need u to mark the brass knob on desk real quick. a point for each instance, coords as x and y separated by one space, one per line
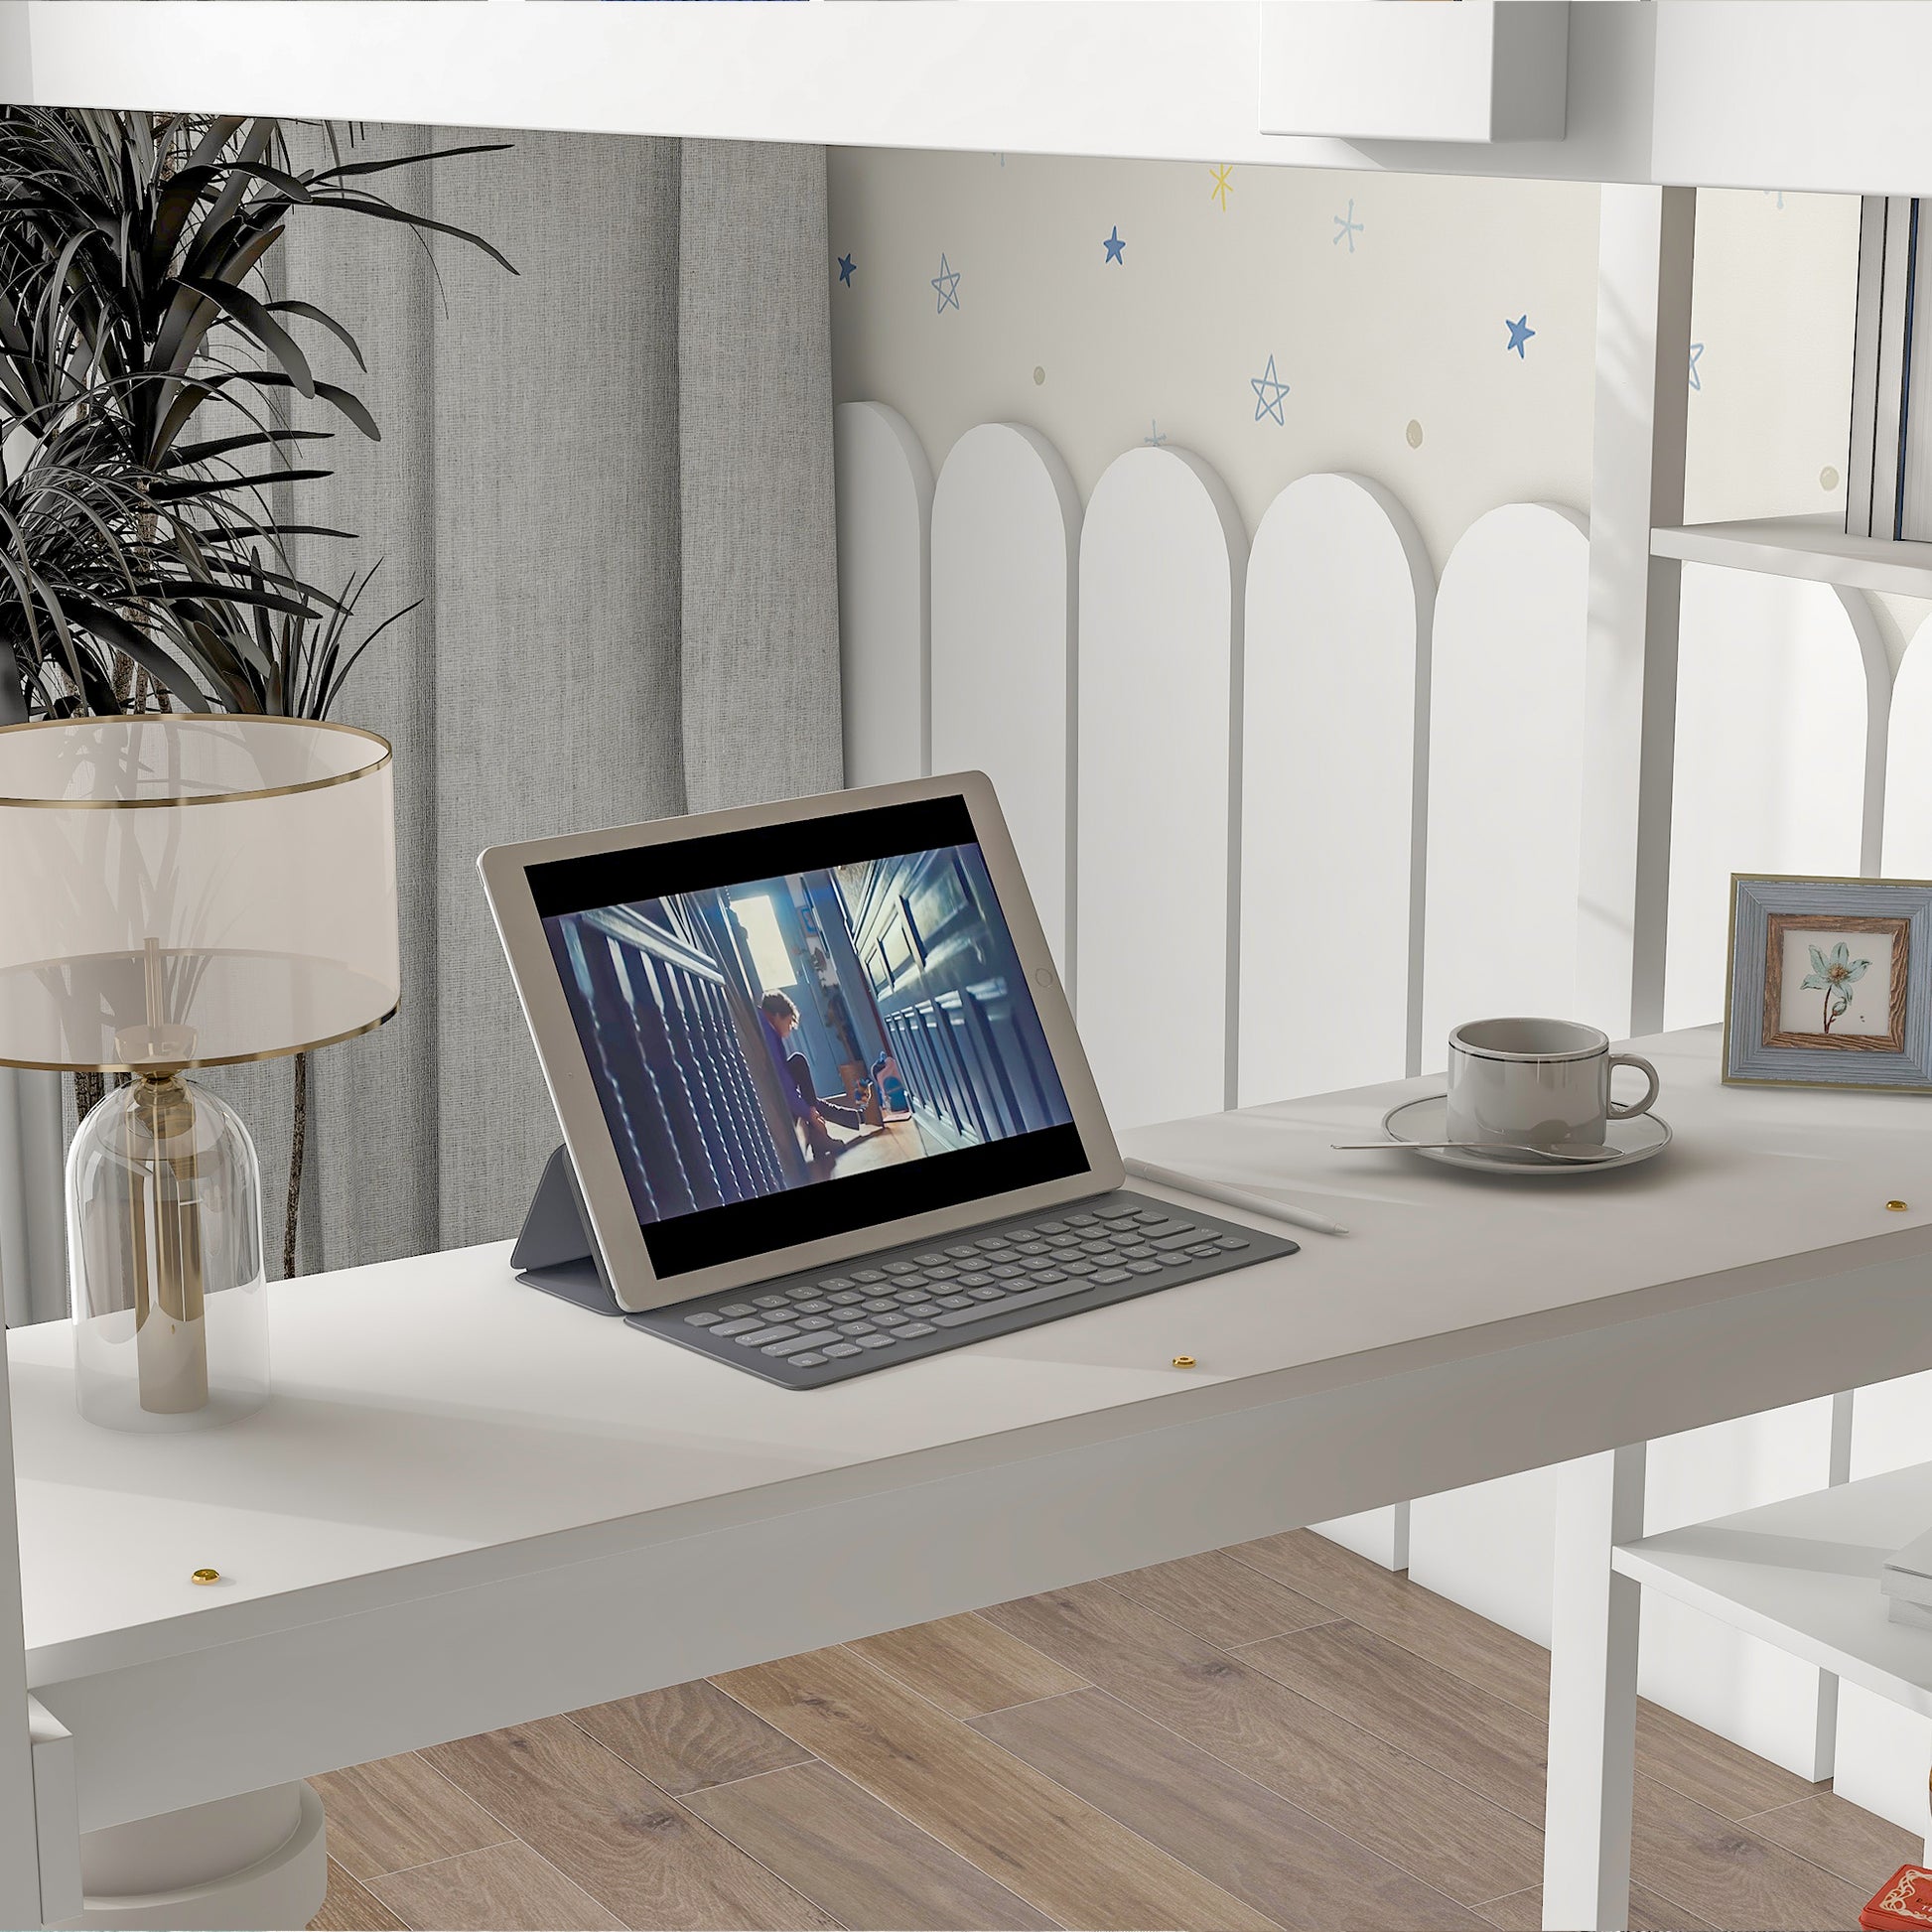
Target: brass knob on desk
1184 1361
1896 1206
205 1577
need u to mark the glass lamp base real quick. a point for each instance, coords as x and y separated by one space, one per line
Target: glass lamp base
165 1260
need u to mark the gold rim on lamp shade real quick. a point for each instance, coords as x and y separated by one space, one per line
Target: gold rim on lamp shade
202 798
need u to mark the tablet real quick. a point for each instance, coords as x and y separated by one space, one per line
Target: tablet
790 1035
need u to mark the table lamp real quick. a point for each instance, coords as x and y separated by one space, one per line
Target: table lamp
178 892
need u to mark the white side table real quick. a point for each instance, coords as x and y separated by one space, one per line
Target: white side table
1802 1574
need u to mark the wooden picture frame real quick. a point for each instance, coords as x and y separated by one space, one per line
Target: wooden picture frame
1857 953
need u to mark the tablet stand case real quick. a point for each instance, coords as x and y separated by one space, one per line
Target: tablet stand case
556 1251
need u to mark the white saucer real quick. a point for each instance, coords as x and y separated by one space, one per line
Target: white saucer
1635 1139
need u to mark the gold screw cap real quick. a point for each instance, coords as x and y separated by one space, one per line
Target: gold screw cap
205 1577
1896 1206
1184 1361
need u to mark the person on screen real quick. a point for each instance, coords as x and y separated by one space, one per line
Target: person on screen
778 1019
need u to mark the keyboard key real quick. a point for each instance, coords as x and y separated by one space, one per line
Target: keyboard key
976 1295
1050 1227
1051 1275
914 1329
768 1301
1227 1243
959 1318
880 1306
791 1348
1078 1267
1138 1252
1040 1264
955 1301
961 1250
874 1341
736 1309
923 1310
704 1321
1070 1239
1144 1266
932 1259
761 1338
1079 1220
1180 1238
845 1297
1031 1247
815 1304
813 1360
741 1327
842 1349
902 1268
817 1321
1115 1211
831 1282
1006 1271
1172 1257
868 1274
1203 1249
890 1320
1109 1276
907 1296
1149 1214
972 1278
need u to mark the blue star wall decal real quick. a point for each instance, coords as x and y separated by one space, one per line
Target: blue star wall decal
1519 333
1347 225
946 282
1115 248
1697 355
846 269
1268 394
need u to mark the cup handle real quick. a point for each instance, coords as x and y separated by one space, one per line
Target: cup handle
1649 1099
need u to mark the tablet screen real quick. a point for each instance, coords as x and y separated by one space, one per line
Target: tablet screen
802 1030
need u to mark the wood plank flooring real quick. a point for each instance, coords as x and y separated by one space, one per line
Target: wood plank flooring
1278 1735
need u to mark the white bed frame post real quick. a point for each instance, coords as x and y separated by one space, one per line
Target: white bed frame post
1643 350
1592 1696
20 1869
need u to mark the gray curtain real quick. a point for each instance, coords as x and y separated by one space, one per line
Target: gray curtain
608 479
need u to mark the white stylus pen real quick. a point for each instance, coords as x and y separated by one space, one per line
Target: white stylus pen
1193 1184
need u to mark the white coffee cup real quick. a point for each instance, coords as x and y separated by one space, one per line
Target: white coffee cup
1537 1082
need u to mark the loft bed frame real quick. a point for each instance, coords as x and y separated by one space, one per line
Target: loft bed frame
1654 101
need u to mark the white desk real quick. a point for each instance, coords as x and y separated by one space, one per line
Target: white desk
471 1505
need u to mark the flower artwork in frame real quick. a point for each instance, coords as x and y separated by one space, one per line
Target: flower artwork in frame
1830 983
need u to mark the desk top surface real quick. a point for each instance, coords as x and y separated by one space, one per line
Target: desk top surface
429 1408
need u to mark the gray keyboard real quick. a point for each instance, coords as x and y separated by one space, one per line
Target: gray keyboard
804 1331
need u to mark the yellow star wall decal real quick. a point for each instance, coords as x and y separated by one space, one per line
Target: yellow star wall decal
1222 188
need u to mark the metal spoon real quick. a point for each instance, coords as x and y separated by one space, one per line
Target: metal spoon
1574 1152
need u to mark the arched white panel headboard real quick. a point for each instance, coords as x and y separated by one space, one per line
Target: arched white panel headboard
1505 774
1005 550
1162 556
885 509
1341 593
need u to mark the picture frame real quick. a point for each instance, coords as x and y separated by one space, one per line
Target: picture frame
1830 983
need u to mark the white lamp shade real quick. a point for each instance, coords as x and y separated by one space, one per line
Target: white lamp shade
192 890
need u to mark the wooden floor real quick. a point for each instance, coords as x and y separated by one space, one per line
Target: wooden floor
1276 1736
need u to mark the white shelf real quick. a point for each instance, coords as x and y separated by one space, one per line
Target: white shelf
1798 547
1803 1574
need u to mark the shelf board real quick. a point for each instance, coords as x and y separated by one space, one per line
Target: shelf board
1803 1574
1800 547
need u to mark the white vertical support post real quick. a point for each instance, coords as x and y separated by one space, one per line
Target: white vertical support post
1593 1618
1643 352
20 1866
